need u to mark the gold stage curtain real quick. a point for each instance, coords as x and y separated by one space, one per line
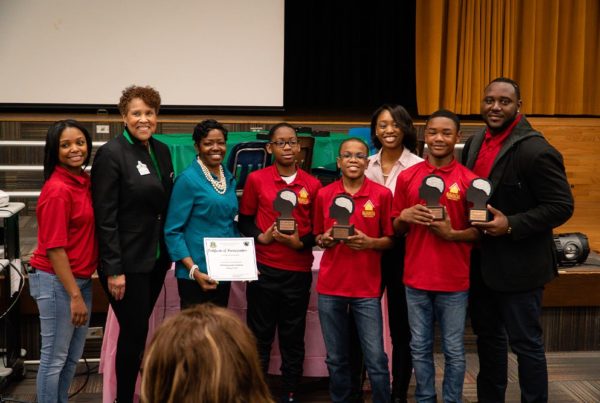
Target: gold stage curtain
551 47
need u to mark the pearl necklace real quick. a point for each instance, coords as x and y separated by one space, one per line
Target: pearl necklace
219 185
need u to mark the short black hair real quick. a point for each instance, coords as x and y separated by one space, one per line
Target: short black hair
53 140
358 140
404 122
278 126
445 113
508 81
203 128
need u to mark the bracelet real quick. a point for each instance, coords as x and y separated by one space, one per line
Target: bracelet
191 275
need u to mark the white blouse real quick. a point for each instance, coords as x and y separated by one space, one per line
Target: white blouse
375 173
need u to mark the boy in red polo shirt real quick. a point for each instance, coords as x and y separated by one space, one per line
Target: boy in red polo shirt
436 270
350 273
280 296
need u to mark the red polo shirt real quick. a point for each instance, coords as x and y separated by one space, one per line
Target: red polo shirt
432 263
66 220
346 272
260 190
492 143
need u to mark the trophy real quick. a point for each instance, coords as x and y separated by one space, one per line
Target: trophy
479 193
284 204
431 190
341 209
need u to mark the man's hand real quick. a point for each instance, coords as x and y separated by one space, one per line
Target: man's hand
293 240
497 226
417 214
326 240
359 241
443 228
267 237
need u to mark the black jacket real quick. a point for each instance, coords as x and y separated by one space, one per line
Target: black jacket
530 187
129 207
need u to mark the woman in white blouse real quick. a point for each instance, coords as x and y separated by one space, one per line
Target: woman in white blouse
393 133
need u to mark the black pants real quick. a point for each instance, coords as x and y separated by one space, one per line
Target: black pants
392 267
502 319
279 299
133 312
190 293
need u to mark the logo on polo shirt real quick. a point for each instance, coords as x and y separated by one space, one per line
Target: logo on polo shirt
368 209
453 192
303 196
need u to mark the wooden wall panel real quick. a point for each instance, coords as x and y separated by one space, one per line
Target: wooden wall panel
578 139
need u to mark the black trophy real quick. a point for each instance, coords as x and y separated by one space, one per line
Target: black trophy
479 193
431 190
341 209
284 204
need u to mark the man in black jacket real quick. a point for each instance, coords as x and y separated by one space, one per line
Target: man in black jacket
530 197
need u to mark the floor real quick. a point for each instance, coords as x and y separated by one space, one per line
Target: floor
573 377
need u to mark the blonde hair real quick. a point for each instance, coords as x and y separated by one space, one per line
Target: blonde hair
203 354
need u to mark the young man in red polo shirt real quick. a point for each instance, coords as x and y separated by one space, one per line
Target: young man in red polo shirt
436 265
350 273
280 296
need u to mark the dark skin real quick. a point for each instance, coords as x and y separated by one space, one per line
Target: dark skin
499 108
353 177
285 162
441 135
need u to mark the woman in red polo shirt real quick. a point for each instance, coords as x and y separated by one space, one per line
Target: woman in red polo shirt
65 258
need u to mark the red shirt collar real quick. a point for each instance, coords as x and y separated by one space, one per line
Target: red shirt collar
446 168
277 177
362 192
81 180
500 137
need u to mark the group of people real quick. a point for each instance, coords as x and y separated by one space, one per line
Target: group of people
133 218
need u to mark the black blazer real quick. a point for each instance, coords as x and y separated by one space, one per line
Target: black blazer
130 208
530 187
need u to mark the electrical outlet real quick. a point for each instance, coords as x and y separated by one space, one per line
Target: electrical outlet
102 129
95 333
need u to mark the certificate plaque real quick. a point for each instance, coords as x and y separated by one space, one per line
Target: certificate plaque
341 209
431 190
284 204
479 193
230 259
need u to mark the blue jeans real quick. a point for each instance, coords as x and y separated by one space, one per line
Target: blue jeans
450 309
62 343
333 314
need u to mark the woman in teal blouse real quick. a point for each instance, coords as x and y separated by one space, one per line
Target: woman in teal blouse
203 204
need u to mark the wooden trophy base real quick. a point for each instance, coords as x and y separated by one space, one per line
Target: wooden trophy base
286 225
342 232
478 215
439 213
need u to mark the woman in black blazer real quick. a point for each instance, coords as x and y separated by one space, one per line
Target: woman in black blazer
132 177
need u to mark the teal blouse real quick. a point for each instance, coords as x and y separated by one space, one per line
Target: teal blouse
197 211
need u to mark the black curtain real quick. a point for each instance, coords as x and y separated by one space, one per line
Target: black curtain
348 55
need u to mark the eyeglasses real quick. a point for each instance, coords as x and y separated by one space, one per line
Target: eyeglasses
282 143
358 156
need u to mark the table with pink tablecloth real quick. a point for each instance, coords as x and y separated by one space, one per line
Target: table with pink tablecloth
168 304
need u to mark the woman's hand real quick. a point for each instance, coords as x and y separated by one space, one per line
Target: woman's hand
79 311
116 286
205 282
